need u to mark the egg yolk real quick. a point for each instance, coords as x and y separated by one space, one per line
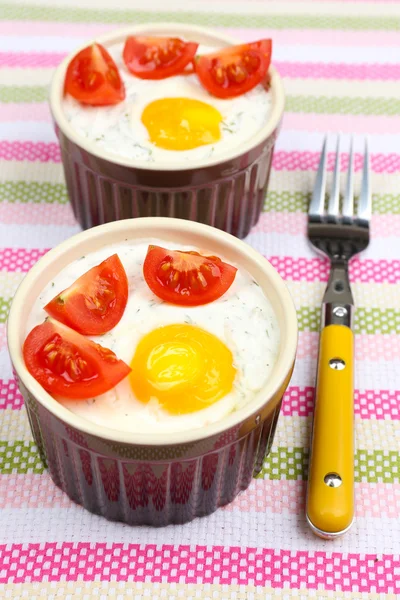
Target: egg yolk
181 123
184 367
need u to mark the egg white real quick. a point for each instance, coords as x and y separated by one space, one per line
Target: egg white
242 319
118 129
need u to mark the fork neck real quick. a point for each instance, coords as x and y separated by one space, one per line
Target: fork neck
338 304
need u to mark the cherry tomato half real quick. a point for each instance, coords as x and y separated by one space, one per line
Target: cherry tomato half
186 278
96 301
157 58
92 77
68 364
235 70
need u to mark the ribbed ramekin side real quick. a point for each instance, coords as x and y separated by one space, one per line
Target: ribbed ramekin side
232 202
139 492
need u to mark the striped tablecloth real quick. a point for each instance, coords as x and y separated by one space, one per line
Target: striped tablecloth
341 67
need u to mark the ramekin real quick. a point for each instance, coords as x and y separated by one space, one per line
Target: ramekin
226 192
162 478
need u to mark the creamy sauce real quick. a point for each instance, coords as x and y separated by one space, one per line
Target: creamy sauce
118 129
242 319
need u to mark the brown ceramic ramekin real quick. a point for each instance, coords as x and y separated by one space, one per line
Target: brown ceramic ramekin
226 192
154 479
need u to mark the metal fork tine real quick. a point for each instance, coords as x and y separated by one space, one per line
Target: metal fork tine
317 204
333 206
365 203
348 200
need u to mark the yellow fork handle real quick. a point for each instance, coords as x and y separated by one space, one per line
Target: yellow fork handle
330 510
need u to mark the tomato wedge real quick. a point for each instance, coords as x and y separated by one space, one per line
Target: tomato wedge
92 77
157 58
67 364
186 278
235 70
95 303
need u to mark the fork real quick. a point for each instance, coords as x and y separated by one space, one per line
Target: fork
338 235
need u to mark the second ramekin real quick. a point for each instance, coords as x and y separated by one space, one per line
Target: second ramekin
164 478
226 192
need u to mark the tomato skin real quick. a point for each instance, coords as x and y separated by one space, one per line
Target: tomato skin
157 58
67 364
93 78
235 70
96 301
186 278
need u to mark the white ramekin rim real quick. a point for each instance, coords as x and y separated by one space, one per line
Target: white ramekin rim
137 227
57 87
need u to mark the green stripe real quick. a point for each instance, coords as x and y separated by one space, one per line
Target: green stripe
343 105
289 201
276 201
23 93
377 320
367 320
5 304
370 466
282 463
299 104
20 457
33 191
308 318
13 11
286 201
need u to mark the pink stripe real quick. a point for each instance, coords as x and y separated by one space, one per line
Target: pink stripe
371 347
293 269
377 500
368 404
281 222
296 224
299 401
19 259
291 161
362 124
29 111
307 345
10 396
377 347
306 161
287 69
278 497
385 225
306 37
31 59
44 28
374 500
86 561
317 269
31 491
33 214
338 71
31 151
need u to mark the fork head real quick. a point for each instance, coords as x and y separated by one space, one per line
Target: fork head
340 234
